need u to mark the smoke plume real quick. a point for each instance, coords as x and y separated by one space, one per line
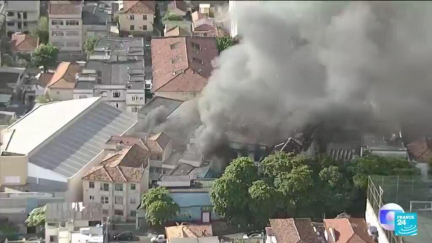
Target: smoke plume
301 61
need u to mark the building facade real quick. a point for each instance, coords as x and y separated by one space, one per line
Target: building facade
117 72
137 17
119 182
22 16
65 25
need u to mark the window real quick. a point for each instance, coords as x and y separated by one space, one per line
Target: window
25 24
72 33
58 44
57 22
104 187
11 14
134 97
158 157
91 184
24 15
132 213
175 60
175 45
117 105
118 212
10 24
91 198
132 200
205 34
73 44
82 96
135 109
133 186
53 238
197 60
144 17
105 212
118 200
19 25
19 15
131 17
116 94
118 187
72 22
104 200
196 46
132 27
57 33
144 27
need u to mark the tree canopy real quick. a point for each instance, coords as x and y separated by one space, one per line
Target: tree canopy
159 206
172 17
90 44
41 30
288 185
37 217
224 42
45 55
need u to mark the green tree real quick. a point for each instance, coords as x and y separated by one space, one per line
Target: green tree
224 42
90 44
230 193
41 30
172 17
378 165
45 55
264 200
159 206
37 217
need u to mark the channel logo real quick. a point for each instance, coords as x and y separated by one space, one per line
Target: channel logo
387 215
406 224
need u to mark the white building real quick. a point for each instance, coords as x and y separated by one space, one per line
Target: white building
116 71
73 222
22 16
54 145
65 25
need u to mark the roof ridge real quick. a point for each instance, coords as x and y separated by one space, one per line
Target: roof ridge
172 78
109 176
296 230
62 76
121 173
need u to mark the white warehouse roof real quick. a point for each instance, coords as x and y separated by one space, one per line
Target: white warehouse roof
77 131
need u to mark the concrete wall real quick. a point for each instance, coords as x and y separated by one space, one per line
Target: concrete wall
66 37
372 219
75 192
32 16
138 22
167 151
13 170
60 94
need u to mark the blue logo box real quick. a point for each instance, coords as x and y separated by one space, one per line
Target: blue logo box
405 224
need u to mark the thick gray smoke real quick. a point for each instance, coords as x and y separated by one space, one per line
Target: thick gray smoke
298 61
154 118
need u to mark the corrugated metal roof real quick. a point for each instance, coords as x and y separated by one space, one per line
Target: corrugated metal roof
75 147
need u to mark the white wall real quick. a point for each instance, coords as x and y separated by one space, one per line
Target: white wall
39 172
78 93
372 219
138 22
60 94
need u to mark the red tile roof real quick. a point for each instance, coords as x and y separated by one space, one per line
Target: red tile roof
64 77
127 165
189 231
182 64
346 230
421 150
293 230
181 5
45 78
73 7
139 7
158 142
23 42
154 144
